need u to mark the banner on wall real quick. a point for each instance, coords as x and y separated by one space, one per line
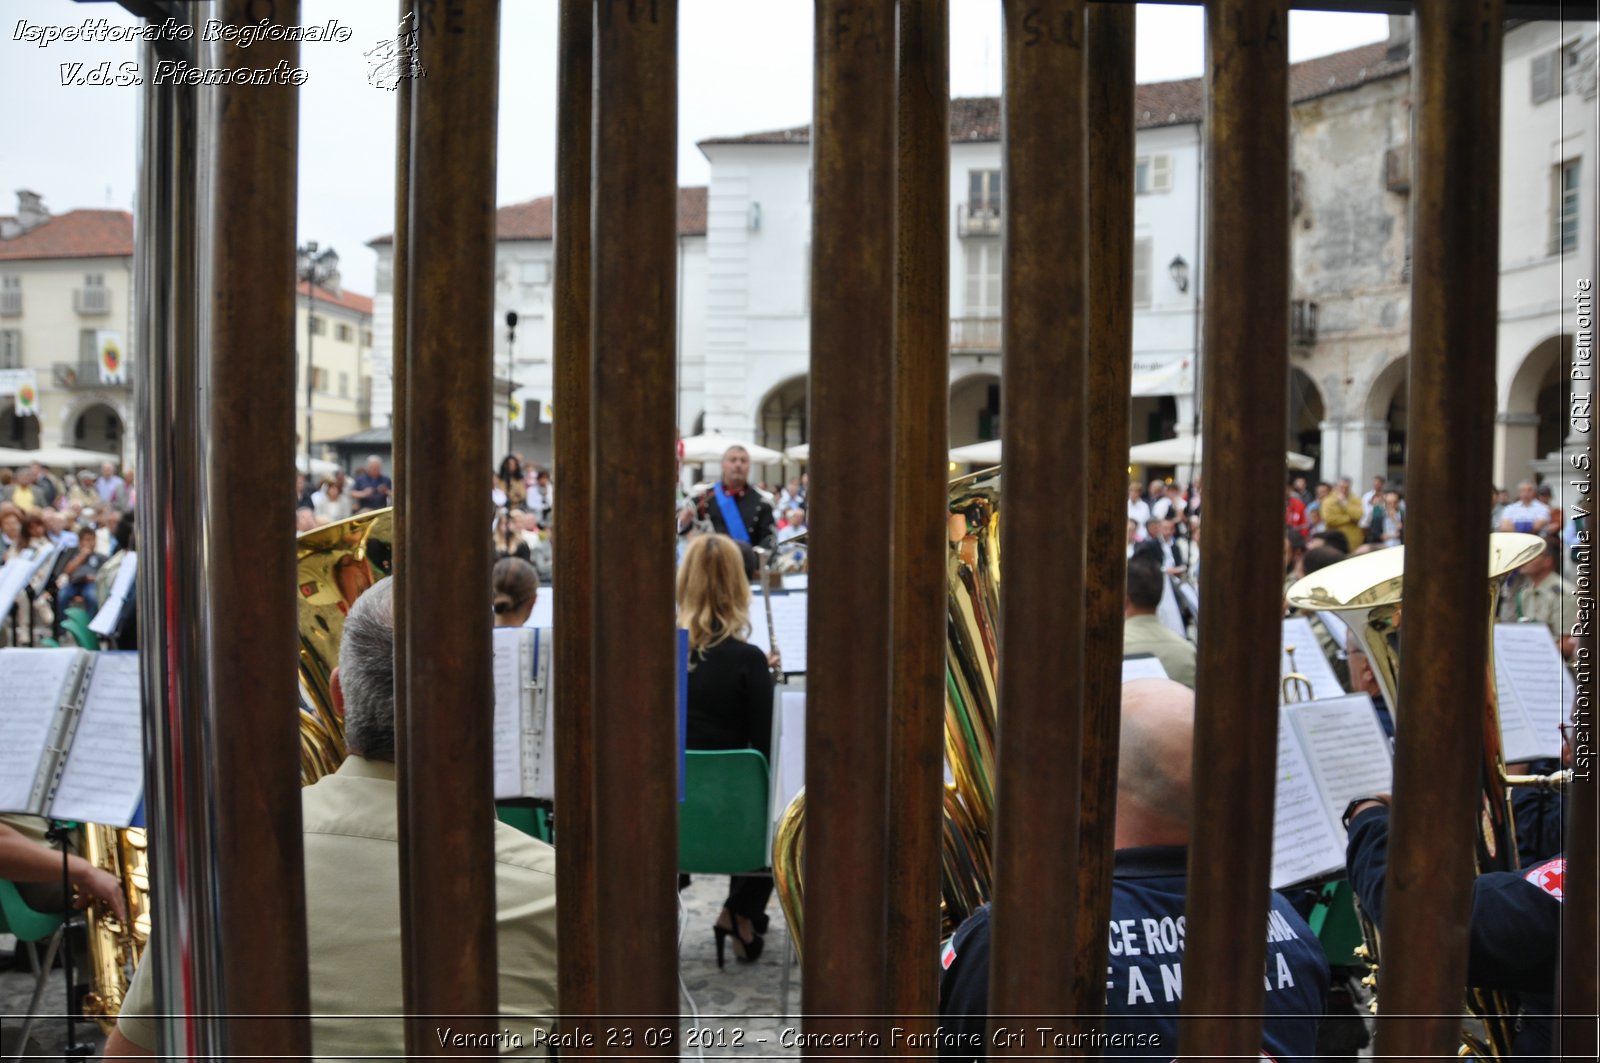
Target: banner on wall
1163 374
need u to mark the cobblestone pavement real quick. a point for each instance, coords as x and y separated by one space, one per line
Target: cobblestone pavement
738 1006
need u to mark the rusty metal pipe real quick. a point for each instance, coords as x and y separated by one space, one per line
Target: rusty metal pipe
1439 747
1246 340
574 550
853 226
444 765
921 441
1041 675
252 636
1110 44
634 269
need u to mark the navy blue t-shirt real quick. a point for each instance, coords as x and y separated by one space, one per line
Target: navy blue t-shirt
1144 978
378 499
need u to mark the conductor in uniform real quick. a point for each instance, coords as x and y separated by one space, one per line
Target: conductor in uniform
352 876
733 507
1144 978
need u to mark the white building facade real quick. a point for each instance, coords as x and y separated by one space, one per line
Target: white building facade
66 285
523 358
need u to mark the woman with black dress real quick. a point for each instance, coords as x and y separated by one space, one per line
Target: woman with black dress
730 702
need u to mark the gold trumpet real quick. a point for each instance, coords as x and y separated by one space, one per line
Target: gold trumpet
1365 592
1296 685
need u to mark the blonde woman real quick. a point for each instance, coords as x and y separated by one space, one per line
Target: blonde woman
730 702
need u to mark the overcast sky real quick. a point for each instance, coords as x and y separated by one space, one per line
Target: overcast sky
745 65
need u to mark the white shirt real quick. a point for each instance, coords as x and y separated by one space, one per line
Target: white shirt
1530 513
1168 508
1366 509
1139 513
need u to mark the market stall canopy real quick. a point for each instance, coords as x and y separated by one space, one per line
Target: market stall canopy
318 466
986 453
697 450
1188 451
57 457
799 452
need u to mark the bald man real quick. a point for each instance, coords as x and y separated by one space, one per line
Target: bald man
1144 975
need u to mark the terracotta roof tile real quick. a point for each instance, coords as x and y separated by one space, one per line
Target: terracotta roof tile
975 119
347 299
75 234
535 219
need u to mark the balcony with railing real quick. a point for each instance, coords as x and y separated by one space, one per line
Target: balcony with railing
978 219
83 374
975 334
91 301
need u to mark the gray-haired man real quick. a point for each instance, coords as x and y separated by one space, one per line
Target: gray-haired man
352 860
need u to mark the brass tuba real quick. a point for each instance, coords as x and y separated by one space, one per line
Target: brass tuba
971 697
1365 592
335 564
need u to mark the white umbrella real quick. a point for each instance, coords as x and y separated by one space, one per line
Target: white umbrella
799 452
318 466
697 450
1188 451
56 457
985 453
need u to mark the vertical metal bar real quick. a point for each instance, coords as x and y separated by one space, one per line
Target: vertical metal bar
634 262
574 550
400 393
1110 337
172 592
1246 342
921 443
253 636
444 760
1454 293
1044 322
853 224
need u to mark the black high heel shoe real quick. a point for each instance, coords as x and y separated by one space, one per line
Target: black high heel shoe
743 951
721 934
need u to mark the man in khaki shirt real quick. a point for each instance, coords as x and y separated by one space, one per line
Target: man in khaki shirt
1541 596
352 861
1143 631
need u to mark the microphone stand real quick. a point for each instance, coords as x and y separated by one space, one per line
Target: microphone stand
59 834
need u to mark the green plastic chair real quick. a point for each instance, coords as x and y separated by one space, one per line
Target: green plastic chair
531 821
78 613
31 927
1336 925
723 820
78 628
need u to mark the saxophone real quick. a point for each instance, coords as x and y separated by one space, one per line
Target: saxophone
115 945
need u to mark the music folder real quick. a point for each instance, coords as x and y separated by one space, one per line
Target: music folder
70 735
1330 752
1533 689
524 740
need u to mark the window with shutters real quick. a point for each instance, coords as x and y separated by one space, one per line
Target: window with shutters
319 327
1152 173
343 333
11 349
1553 72
10 296
1565 192
983 279
1141 272
344 385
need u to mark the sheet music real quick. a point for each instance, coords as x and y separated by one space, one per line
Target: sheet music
1534 688
103 779
1142 666
788 751
105 621
1336 627
1303 844
15 574
544 610
1308 659
1348 751
795 581
29 700
789 619
509 679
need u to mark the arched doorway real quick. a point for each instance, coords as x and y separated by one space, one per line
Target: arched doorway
784 421
98 427
1152 417
1306 414
1534 420
974 409
1388 404
21 433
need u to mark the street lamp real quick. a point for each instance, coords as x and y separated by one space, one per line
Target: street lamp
1180 273
318 269
511 378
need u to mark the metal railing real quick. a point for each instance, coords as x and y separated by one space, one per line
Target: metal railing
90 301
975 333
979 219
85 373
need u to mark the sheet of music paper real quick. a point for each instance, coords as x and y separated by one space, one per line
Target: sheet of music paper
103 779
1534 689
30 698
